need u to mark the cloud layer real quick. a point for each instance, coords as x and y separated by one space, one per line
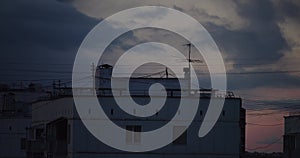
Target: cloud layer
254 36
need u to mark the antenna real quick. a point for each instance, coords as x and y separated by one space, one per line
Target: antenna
93 78
167 73
189 45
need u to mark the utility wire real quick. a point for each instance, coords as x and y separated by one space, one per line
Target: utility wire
267 125
265 146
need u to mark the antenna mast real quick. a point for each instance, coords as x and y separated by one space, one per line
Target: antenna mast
93 78
189 60
167 73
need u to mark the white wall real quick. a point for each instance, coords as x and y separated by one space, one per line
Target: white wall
222 141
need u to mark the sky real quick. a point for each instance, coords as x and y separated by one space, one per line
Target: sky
259 41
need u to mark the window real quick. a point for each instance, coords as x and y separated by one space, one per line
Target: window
133 134
111 111
61 129
39 134
69 134
182 139
23 143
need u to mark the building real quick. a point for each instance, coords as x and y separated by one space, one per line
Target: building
57 130
15 118
291 143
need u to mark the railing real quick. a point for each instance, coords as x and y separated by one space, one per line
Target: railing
145 93
107 92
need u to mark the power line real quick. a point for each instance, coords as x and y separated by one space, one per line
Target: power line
267 125
265 146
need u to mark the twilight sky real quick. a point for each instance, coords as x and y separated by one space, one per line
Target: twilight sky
259 41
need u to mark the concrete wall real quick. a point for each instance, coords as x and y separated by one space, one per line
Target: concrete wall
223 141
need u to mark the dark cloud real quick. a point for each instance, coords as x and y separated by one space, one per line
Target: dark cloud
257 45
44 32
248 81
287 8
260 42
